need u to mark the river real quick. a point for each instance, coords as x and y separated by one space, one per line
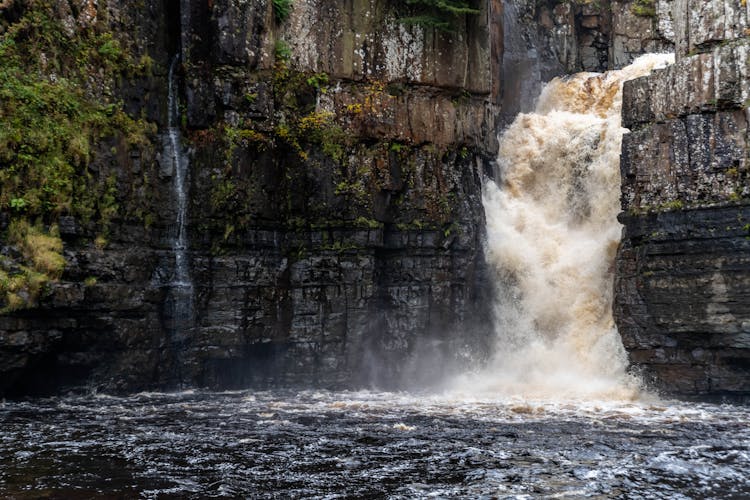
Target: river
369 445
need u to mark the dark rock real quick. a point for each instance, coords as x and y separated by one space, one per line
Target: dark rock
682 287
346 259
682 299
68 226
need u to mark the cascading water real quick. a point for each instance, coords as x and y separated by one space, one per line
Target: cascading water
552 237
181 285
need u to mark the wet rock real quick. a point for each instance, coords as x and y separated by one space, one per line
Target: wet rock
636 32
706 24
706 82
682 289
696 160
683 275
240 31
334 261
67 226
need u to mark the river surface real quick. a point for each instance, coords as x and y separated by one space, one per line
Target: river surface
369 445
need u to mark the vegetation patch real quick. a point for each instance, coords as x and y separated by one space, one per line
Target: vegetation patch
53 124
282 50
442 15
36 262
281 10
308 165
644 8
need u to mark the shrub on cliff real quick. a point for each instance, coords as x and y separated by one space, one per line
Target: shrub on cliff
281 10
439 14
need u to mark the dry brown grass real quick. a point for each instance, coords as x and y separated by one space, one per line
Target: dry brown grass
42 249
22 283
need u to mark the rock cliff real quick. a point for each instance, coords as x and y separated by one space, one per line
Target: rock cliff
334 220
683 268
548 38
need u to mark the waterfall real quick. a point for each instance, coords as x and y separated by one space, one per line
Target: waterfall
181 285
552 237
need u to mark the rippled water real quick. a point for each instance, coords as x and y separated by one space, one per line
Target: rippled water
363 444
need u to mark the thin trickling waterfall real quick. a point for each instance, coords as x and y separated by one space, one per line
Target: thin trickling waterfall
552 237
181 283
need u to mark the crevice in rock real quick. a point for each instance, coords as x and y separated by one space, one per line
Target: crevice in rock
173 26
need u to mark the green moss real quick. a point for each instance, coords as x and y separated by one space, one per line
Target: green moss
320 128
355 190
318 81
367 223
644 8
663 207
672 205
148 220
451 229
324 174
230 193
223 195
51 123
340 247
300 124
110 49
282 50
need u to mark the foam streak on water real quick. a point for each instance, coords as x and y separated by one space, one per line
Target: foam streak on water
552 238
315 444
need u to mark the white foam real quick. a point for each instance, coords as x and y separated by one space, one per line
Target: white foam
552 237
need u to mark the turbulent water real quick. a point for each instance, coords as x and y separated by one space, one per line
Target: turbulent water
553 416
369 445
552 237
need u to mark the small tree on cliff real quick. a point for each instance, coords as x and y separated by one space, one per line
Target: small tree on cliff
438 14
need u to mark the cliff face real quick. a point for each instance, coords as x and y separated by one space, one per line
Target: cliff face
683 268
549 38
350 153
334 219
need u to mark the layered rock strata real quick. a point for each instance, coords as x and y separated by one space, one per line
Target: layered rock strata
683 269
549 38
334 220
